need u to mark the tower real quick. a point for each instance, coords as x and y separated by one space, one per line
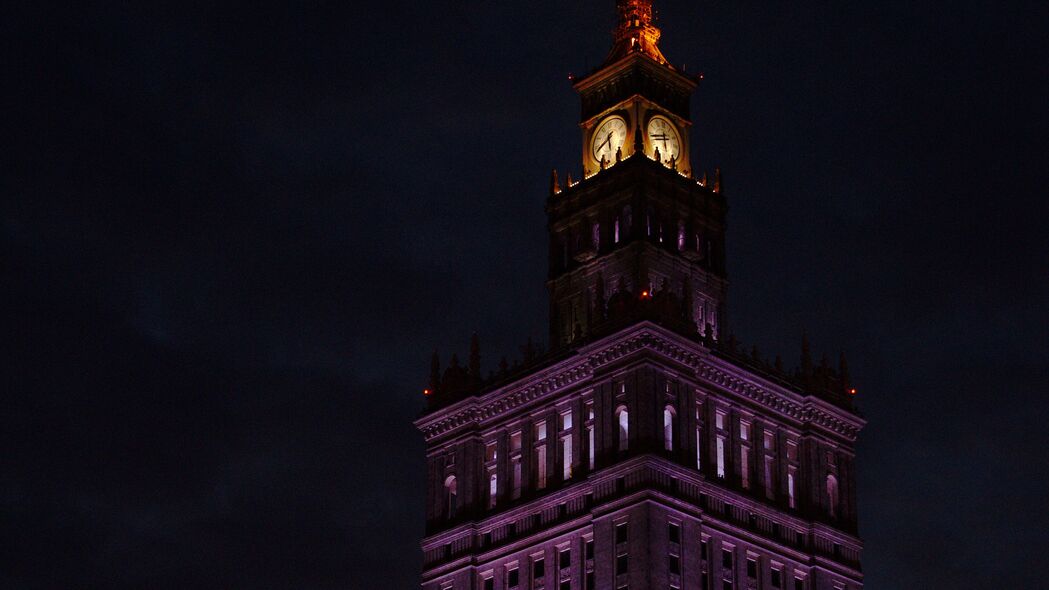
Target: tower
644 450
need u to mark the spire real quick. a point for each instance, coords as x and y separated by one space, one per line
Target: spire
555 187
635 31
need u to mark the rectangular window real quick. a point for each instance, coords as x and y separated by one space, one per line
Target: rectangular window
622 565
566 420
564 558
726 585
799 584
588 549
674 533
719 419
770 491
489 584
744 466
791 471
744 430
540 431
566 455
490 453
769 439
540 464
752 568
621 533
516 492
703 551
726 558
792 450
675 565
512 577
777 578
590 446
590 581
538 569
721 456
566 585
493 489
515 441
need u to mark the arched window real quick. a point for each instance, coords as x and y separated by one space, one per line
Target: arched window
623 418
832 496
668 428
451 495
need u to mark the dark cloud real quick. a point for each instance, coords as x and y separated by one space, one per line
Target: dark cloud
232 234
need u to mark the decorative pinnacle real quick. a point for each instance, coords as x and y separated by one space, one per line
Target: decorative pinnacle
635 31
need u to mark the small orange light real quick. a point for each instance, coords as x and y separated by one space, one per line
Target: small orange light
644 293
427 392
852 391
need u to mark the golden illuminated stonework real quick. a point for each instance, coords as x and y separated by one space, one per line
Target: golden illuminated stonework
635 31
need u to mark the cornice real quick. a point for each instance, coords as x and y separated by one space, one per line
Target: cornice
643 336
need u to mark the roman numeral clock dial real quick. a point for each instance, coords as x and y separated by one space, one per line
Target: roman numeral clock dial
663 134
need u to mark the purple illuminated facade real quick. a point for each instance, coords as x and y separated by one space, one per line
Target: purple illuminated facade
644 450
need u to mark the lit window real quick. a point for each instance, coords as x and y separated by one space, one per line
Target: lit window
791 471
493 489
769 439
719 419
744 430
615 232
566 420
566 454
832 496
721 456
451 494
515 441
668 428
590 445
490 453
623 418
540 430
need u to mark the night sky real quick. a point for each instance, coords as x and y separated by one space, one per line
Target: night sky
231 234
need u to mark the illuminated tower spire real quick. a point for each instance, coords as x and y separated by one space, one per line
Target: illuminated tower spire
635 31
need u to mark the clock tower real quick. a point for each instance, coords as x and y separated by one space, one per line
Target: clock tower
641 235
644 449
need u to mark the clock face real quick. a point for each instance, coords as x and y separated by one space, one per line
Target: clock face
663 135
609 137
